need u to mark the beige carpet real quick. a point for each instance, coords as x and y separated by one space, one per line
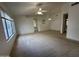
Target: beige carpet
44 44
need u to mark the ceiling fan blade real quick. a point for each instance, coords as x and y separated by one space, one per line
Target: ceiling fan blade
43 11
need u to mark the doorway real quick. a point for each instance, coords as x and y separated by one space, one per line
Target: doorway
35 25
65 17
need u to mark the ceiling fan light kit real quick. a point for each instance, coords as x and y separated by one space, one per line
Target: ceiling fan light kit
39 13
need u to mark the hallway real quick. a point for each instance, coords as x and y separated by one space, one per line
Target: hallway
44 44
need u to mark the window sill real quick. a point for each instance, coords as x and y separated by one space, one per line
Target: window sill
10 37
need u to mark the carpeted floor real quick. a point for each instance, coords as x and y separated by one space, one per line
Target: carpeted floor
44 44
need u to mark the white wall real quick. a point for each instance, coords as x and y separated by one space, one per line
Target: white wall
57 18
73 23
5 46
46 25
24 25
56 22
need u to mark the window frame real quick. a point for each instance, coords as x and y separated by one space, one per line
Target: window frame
6 27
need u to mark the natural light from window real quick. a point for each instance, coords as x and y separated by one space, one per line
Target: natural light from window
8 24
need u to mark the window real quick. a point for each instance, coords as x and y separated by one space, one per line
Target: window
8 24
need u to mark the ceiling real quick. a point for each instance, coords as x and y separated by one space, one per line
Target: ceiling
30 8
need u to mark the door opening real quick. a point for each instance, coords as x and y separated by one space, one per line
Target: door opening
65 17
35 25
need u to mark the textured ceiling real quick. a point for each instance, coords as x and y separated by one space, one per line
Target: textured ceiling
30 8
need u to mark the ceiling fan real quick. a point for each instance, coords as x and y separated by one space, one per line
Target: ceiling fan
41 11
